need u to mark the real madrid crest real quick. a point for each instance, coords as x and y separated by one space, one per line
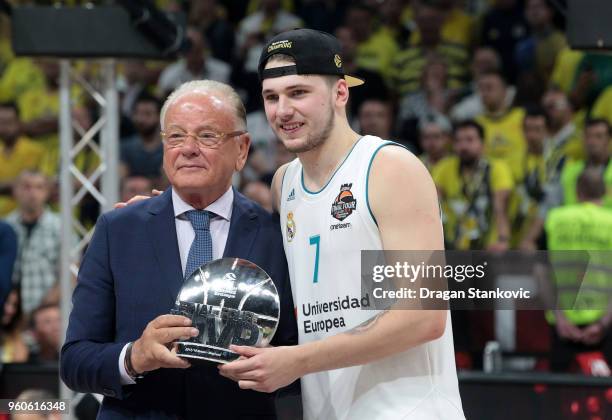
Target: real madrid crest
290 227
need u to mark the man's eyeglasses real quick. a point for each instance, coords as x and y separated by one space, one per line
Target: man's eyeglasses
204 139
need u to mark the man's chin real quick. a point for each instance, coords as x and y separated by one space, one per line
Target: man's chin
189 187
298 145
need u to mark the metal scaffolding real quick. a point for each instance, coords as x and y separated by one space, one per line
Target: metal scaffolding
102 183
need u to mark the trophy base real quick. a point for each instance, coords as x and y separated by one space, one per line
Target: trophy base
196 353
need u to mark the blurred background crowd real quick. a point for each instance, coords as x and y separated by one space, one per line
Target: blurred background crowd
511 122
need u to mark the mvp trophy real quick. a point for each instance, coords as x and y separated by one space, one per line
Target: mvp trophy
230 301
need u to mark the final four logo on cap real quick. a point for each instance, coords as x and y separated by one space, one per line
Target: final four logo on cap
313 52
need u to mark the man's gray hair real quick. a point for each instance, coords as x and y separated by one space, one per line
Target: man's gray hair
206 87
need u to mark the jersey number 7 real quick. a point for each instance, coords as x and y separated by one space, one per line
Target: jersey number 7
316 240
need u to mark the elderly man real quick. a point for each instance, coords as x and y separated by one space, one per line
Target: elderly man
134 268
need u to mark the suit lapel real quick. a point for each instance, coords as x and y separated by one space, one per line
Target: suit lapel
162 229
244 226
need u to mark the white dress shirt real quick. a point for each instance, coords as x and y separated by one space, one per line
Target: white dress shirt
219 230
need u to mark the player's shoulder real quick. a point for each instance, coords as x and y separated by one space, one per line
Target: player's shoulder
396 169
391 158
280 173
277 182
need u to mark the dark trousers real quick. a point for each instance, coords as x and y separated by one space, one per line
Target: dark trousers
563 352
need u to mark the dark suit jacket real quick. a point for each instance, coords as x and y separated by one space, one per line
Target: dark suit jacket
130 274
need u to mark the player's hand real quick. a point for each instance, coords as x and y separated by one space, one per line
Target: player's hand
153 349
136 199
264 369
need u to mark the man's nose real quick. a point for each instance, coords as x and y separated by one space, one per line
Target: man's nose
190 146
285 108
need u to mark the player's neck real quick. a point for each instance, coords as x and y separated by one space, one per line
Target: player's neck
320 163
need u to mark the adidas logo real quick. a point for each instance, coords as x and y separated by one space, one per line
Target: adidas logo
291 195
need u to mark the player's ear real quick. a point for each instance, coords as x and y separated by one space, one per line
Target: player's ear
341 92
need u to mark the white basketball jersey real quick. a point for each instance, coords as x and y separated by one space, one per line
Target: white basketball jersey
324 233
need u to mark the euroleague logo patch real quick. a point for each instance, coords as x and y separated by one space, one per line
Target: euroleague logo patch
344 204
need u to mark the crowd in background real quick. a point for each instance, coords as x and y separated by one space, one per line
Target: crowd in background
487 92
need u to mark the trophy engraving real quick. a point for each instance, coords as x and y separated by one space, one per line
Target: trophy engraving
230 301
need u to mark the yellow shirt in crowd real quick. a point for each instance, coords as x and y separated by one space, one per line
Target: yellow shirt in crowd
603 105
455 204
458 28
41 103
504 139
20 75
377 52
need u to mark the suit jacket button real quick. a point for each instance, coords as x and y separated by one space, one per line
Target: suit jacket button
109 392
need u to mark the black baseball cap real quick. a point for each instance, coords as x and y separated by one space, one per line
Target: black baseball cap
314 52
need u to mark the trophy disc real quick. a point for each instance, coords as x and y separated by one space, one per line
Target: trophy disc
230 301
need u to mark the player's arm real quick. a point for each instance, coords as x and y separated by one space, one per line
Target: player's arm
406 210
277 183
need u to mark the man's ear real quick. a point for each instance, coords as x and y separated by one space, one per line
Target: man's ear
244 143
341 93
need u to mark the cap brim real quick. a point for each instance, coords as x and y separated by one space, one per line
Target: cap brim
352 81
